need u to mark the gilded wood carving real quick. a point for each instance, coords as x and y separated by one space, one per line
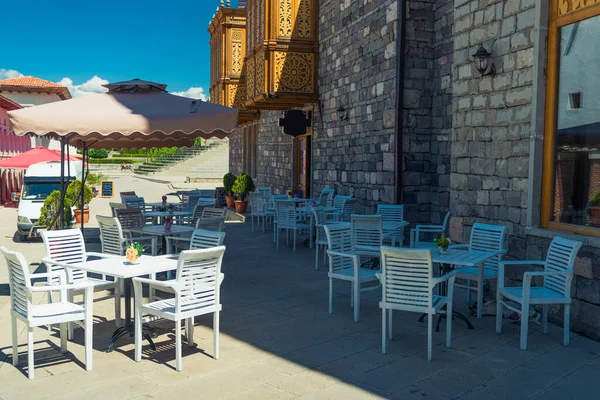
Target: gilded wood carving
567 6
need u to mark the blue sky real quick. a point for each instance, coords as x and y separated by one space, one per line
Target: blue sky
163 41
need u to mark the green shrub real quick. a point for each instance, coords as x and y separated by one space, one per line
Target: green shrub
243 186
49 213
98 153
114 161
228 182
74 194
95 179
198 141
595 201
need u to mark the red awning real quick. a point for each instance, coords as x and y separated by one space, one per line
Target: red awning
33 156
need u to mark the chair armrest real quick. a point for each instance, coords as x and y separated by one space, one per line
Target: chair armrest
169 240
341 254
176 286
429 228
459 246
502 264
58 274
444 278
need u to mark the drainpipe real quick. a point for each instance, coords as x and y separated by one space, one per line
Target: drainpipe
400 63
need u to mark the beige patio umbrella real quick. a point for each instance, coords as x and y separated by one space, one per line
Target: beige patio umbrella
130 111
132 114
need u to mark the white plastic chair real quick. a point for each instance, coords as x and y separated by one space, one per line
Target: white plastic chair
484 237
200 239
113 239
197 292
417 231
393 213
67 247
557 274
211 223
214 212
325 195
287 219
258 209
344 264
367 235
407 284
114 206
320 220
35 315
126 195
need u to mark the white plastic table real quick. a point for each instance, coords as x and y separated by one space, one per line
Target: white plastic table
119 267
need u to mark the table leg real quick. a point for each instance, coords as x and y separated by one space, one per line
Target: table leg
129 327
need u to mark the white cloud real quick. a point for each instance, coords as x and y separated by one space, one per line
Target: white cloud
9 73
91 86
192 93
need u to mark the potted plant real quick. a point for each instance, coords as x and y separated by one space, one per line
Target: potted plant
242 187
228 182
74 196
594 209
442 243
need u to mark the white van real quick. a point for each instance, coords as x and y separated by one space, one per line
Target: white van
40 180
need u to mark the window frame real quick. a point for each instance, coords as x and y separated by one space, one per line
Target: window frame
548 174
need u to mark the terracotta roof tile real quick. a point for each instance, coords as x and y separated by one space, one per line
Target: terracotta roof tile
31 82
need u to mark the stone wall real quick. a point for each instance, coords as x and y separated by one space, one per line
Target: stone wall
236 153
357 70
274 154
491 118
427 109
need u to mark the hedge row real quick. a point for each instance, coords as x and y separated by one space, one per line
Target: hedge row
114 161
131 156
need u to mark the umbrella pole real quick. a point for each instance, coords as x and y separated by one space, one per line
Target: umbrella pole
83 179
62 182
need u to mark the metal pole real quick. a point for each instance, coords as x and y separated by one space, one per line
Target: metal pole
62 183
83 179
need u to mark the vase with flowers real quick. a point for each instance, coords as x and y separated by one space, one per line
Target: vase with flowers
164 203
442 243
134 252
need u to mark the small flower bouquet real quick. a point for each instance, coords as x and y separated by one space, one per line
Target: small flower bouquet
170 208
167 224
134 252
442 243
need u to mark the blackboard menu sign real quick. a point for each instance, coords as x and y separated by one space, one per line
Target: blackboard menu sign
220 194
108 189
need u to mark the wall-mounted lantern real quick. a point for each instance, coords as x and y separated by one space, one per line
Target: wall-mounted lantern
342 114
482 62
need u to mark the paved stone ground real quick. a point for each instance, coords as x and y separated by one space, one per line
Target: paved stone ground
279 342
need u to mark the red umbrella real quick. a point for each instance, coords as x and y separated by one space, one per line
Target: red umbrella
34 156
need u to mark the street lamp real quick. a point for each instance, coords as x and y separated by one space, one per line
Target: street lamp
482 62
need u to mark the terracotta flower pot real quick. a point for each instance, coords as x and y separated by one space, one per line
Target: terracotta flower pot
86 216
595 215
230 201
240 206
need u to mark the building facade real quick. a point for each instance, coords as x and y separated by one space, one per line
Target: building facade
403 112
28 91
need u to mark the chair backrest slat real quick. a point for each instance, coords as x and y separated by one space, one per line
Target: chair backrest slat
486 237
406 278
66 246
18 281
367 230
127 195
198 272
211 223
130 218
214 212
114 206
445 223
135 202
560 258
391 212
204 239
257 203
286 214
320 218
111 235
339 238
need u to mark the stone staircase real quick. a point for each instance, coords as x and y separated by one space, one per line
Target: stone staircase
209 166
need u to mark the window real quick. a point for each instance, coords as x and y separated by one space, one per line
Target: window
575 101
571 180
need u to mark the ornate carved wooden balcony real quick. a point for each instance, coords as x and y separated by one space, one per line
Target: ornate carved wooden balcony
281 57
227 71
